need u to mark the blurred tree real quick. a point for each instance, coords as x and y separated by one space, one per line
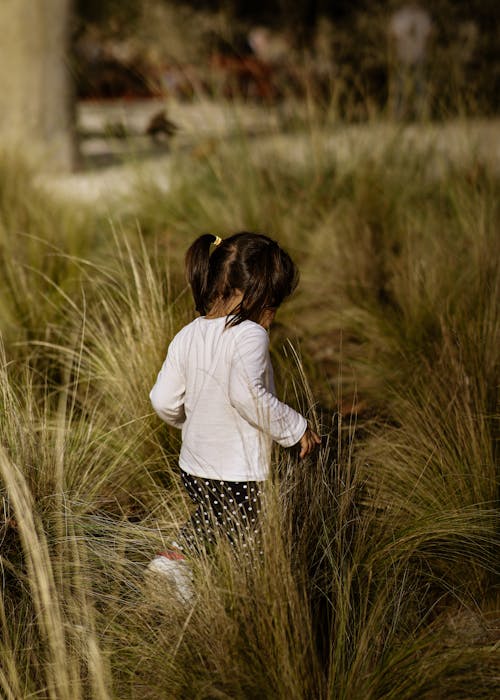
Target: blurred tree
36 104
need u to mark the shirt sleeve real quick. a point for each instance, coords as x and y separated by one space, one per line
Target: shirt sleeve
167 395
249 392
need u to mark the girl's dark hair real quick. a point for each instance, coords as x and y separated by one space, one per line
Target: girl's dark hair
250 262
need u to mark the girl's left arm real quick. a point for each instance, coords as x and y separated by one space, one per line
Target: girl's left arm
167 395
249 393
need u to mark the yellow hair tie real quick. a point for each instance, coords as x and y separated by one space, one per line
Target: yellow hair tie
218 241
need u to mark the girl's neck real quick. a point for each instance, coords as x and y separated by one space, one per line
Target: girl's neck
223 307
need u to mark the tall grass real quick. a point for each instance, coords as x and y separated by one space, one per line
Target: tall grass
379 552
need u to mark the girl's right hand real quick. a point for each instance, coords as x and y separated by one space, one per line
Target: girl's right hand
308 442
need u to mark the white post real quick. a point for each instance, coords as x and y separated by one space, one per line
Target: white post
36 96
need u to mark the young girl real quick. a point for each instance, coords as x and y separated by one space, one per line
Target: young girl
216 384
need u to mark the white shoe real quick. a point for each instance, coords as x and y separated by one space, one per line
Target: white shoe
177 571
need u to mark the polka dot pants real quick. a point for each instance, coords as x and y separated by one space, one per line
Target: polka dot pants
224 508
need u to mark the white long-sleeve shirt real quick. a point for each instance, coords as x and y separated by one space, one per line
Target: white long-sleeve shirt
217 385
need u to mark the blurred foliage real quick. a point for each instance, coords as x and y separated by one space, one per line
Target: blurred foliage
104 11
340 41
297 14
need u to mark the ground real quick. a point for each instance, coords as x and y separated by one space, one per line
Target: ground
110 165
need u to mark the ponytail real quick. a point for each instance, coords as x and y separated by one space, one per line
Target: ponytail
197 266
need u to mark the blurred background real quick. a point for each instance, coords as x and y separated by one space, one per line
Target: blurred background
174 48
66 63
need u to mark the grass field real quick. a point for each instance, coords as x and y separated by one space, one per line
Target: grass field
378 577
